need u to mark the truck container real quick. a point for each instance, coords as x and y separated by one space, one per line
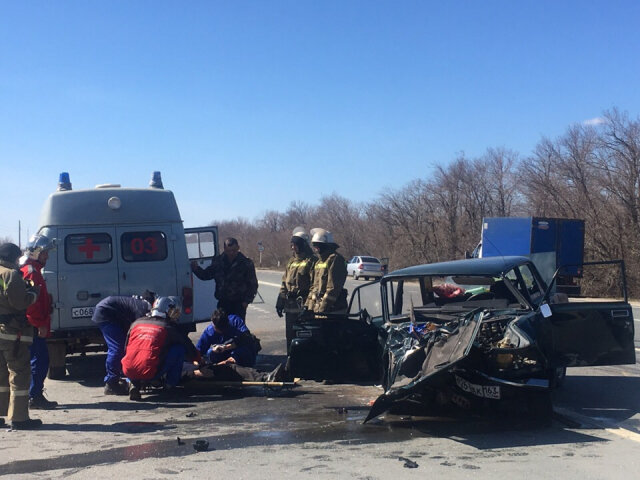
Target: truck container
551 243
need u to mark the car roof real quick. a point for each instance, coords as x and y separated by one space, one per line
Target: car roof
493 266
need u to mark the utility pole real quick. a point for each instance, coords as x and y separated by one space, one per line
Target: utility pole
19 234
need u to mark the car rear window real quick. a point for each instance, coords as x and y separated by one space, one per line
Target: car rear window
370 260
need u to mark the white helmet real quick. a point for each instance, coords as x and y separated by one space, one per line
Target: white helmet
320 235
166 307
301 233
37 244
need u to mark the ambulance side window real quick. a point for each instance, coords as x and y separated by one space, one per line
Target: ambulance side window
143 246
88 248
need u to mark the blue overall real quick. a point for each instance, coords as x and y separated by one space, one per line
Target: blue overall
114 315
39 365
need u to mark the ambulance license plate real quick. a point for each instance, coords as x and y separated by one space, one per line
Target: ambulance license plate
82 312
482 391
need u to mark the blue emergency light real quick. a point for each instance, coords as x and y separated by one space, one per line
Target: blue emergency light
156 180
64 183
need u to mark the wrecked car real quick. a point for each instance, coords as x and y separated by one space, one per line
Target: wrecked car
479 331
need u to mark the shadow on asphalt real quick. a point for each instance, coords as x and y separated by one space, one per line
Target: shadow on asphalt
612 397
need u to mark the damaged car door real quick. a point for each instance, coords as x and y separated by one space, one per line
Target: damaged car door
589 332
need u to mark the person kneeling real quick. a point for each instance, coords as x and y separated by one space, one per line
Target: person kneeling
156 348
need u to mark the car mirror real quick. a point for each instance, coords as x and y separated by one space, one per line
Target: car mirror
545 310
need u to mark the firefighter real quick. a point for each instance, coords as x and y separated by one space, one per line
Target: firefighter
39 316
114 315
296 281
327 293
157 348
15 337
235 276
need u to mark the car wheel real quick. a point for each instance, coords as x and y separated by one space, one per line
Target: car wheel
355 277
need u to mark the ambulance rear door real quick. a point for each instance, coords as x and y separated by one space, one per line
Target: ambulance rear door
146 260
202 246
87 272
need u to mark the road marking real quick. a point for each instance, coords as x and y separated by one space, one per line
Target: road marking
606 425
270 284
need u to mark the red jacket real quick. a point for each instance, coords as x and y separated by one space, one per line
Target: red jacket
39 313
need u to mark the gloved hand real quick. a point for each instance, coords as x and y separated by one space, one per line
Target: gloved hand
279 312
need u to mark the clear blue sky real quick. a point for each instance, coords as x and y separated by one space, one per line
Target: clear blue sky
246 106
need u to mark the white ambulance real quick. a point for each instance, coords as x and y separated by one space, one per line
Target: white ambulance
112 240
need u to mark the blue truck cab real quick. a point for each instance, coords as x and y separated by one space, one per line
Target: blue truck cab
112 240
550 243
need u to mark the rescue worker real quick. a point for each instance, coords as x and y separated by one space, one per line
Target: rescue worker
156 347
327 294
235 276
296 281
228 340
15 338
114 315
39 316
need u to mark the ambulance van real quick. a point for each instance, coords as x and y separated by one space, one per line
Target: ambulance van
112 240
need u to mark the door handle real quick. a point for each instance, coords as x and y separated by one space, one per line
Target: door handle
124 275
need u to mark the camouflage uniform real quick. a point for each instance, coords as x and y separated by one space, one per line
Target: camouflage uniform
236 282
296 282
327 292
16 336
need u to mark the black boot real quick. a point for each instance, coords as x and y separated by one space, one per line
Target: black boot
28 424
115 387
39 402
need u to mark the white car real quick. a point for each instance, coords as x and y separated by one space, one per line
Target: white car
365 267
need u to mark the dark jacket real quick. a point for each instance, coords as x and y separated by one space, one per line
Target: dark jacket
296 281
148 342
236 280
15 297
120 310
329 276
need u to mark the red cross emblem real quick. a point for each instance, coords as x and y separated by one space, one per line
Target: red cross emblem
89 248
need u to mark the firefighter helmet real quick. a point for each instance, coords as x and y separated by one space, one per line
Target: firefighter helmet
320 235
37 244
300 232
166 307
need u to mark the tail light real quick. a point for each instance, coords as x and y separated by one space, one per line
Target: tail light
187 300
361 266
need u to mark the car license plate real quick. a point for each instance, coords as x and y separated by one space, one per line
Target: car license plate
304 334
482 391
82 312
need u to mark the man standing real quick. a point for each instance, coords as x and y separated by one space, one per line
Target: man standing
329 275
39 316
296 281
114 315
235 276
156 347
15 338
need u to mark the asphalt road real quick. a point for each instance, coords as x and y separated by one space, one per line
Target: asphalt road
316 430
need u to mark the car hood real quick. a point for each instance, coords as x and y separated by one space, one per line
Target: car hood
419 358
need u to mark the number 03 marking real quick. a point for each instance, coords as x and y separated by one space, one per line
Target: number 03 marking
146 245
